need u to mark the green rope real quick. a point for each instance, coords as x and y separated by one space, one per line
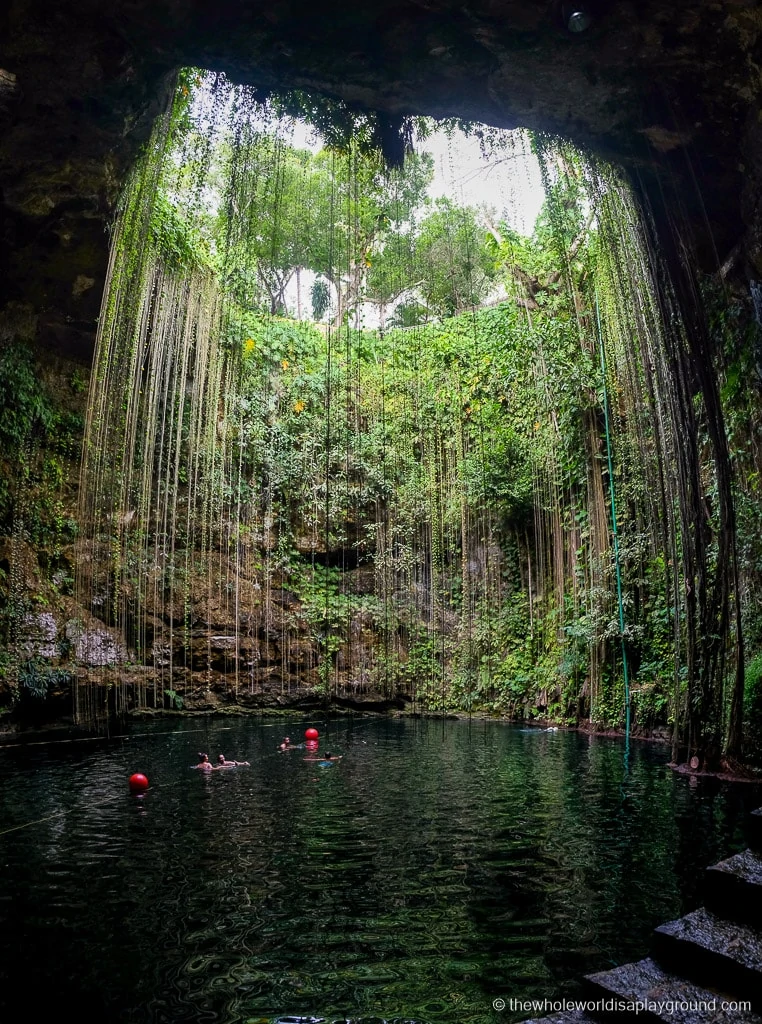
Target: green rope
614 531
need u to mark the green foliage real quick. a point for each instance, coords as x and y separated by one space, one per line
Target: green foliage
321 298
175 240
37 678
489 418
454 465
29 413
326 607
452 259
408 314
78 382
343 128
37 438
753 708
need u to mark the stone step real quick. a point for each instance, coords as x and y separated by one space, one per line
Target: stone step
713 951
644 993
734 888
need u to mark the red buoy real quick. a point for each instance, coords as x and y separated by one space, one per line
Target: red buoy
138 783
311 734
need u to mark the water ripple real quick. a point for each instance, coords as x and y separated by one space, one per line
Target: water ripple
436 867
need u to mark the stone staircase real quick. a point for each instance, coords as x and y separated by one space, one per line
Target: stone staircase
710 956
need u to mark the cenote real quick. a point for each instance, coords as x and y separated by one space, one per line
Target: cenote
474 481
438 866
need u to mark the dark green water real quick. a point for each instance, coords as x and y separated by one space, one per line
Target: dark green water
437 867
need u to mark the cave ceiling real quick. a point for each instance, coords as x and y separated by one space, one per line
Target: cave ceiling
670 89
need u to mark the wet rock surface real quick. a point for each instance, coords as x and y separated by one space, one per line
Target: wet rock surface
668 997
196 653
745 866
734 887
713 951
730 939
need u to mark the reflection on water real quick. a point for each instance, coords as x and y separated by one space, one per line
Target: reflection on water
436 867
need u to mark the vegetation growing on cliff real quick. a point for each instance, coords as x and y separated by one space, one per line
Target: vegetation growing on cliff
347 439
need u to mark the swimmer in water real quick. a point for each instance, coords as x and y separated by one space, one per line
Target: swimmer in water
328 760
286 744
204 764
223 763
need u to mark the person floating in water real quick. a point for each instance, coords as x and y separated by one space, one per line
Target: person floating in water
328 760
223 763
286 744
204 764
324 759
